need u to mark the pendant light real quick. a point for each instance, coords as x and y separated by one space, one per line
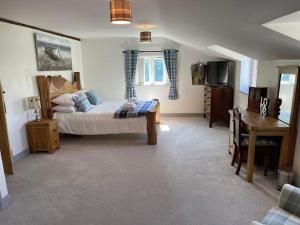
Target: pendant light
120 12
145 37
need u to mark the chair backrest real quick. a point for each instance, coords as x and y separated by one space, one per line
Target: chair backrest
276 107
237 122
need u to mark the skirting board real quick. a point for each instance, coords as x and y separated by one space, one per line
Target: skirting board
182 114
4 202
21 155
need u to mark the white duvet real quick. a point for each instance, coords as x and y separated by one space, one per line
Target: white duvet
99 120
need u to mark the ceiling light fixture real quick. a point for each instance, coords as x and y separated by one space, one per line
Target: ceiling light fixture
145 37
145 26
120 12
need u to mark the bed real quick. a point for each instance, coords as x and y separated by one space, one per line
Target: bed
100 120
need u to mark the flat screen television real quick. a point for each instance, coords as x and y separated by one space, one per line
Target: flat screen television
218 73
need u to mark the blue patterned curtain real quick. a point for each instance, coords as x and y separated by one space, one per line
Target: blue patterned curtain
170 56
131 57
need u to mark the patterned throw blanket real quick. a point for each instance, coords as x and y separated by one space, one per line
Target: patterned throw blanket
140 110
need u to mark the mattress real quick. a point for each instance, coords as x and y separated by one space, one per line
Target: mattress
99 120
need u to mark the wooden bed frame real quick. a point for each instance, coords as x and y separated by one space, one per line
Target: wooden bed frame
53 86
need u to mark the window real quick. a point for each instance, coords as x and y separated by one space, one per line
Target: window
248 74
151 71
287 79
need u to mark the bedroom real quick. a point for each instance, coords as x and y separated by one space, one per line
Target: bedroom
190 163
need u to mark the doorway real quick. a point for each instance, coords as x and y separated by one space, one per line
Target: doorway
4 141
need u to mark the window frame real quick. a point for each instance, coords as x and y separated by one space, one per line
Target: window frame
140 79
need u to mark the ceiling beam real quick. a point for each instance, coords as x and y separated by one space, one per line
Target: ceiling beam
39 29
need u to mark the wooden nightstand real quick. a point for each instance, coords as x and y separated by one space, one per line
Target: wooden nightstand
43 136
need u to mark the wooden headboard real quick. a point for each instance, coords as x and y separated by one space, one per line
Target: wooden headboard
53 86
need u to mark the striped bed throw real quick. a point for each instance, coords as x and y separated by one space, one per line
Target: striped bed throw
139 110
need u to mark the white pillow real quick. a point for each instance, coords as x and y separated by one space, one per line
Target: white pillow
64 109
64 99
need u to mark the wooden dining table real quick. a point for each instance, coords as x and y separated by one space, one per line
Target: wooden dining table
258 125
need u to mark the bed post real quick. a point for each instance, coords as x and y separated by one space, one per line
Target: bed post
157 112
153 118
45 97
76 79
151 128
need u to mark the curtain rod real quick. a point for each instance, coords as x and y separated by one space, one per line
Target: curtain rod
150 51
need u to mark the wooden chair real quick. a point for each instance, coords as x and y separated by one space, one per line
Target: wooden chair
276 107
241 141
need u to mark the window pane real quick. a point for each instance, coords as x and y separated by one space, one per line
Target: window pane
147 69
248 74
158 70
245 76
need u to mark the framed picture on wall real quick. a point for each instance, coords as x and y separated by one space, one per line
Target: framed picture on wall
198 74
52 53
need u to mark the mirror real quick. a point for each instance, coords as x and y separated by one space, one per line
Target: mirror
287 84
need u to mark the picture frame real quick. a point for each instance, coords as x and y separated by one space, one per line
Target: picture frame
52 53
198 74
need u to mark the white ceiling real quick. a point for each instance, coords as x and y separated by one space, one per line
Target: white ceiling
233 24
288 25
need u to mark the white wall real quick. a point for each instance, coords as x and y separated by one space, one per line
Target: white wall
268 74
268 77
17 73
103 62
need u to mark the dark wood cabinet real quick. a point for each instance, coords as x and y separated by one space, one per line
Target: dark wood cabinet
217 101
255 94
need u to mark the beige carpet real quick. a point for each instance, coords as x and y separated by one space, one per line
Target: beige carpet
119 180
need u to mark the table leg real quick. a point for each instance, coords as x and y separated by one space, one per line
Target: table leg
251 154
284 151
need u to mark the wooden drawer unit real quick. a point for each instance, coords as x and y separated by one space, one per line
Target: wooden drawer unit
43 136
217 101
207 99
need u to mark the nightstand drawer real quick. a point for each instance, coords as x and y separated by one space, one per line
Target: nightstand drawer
54 129
40 137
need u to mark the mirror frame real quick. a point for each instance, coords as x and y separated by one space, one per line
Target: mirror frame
295 106
282 71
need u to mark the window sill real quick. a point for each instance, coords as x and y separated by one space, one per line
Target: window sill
244 93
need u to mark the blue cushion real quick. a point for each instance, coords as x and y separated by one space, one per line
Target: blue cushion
278 216
93 97
82 103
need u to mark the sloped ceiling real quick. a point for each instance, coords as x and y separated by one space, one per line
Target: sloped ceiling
233 24
288 25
